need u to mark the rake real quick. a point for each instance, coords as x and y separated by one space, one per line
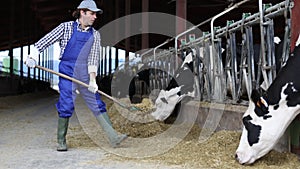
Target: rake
128 107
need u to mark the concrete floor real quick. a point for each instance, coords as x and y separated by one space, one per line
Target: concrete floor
28 126
28 138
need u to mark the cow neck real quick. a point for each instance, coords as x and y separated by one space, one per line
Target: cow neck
288 74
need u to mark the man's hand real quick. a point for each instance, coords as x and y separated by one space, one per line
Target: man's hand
32 58
93 87
30 62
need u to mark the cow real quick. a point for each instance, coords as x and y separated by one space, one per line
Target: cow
270 113
166 100
181 86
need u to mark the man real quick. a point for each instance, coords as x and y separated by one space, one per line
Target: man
79 58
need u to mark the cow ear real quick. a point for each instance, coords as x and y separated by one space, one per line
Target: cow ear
255 96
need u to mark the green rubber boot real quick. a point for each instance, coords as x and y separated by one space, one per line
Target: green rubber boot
106 117
61 134
112 135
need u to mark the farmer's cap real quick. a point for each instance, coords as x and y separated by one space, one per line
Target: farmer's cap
90 5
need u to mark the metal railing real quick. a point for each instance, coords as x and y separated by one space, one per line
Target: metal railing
232 74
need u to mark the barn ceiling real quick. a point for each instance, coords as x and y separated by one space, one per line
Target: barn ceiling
25 21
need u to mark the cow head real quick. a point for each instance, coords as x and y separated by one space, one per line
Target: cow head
166 102
264 124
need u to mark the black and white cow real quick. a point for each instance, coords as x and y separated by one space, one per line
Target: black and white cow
269 115
181 86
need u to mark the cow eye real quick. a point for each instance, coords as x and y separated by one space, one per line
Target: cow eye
261 110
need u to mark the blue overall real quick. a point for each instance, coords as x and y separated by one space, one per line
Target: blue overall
74 64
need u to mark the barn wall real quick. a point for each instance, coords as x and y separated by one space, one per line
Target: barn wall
295 23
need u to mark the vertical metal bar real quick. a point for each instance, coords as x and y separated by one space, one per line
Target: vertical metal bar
214 50
209 64
220 72
22 34
11 36
228 67
117 59
196 72
286 42
262 42
21 61
271 51
44 60
243 73
250 61
251 67
105 61
145 24
151 77
233 66
39 62
127 31
199 73
181 7
117 15
109 61
28 69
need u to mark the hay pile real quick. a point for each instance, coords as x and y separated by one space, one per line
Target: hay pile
138 124
216 152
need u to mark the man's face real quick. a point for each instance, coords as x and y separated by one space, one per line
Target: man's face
88 17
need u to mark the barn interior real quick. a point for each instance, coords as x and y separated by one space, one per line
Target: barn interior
29 20
26 21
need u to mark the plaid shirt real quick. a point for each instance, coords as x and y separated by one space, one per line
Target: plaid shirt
62 34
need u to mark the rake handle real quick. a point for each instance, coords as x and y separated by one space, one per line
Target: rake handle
81 83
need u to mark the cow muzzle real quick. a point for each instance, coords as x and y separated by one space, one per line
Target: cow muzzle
243 158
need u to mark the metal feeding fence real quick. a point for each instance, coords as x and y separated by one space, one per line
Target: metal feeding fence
227 63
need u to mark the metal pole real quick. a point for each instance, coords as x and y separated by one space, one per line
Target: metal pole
262 43
154 51
219 87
